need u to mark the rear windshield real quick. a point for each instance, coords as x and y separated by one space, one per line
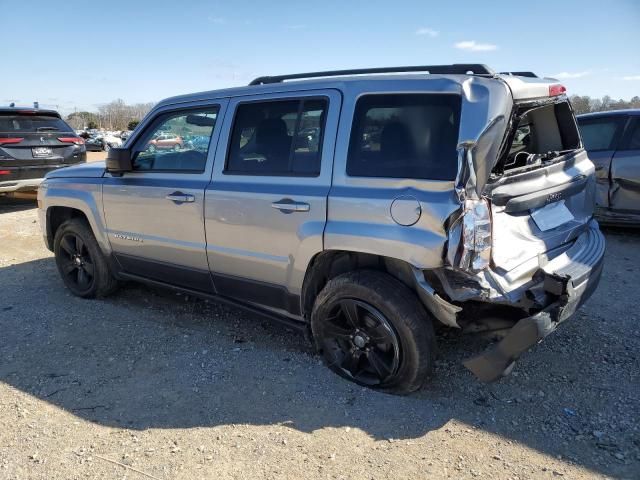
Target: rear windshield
405 136
541 133
32 123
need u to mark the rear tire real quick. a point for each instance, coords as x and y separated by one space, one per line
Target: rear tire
371 329
81 264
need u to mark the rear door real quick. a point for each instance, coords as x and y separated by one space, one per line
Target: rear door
265 209
600 135
625 171
154 214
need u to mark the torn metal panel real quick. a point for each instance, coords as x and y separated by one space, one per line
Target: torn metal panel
486 109
571 278
439 307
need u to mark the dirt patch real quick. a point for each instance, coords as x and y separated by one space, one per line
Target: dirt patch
171 387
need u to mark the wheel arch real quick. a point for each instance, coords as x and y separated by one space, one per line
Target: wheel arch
330 263
56 216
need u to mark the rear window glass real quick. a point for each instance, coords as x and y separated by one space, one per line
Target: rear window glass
599 134
405 136
32 123
282 137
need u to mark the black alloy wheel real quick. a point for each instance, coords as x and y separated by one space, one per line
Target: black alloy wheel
77 266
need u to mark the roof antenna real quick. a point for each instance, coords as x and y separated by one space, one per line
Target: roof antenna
36 105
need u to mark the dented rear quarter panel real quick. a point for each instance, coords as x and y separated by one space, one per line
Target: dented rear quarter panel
359 208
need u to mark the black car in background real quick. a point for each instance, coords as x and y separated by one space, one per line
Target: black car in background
612 140
33 142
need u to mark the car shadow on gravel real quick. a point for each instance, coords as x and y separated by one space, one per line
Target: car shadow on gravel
8 205
149 358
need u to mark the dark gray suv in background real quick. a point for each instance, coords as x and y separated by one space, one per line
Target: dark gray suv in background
612 140
33 142
360 206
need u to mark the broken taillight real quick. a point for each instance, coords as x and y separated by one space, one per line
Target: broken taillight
476 235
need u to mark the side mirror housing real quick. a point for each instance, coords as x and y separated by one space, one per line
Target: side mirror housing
119 161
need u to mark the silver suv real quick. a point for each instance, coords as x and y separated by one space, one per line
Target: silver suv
361 206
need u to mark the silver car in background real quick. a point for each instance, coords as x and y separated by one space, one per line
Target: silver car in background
361 206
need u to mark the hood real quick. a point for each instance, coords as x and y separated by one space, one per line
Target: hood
84 170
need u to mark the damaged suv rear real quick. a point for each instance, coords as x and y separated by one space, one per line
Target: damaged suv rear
526 238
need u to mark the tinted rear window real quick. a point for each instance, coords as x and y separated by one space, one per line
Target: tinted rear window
32 123
405 136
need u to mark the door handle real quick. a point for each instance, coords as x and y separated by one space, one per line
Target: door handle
180 197
286 205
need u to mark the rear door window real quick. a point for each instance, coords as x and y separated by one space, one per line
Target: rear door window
282 137
600 134
405 136
32 123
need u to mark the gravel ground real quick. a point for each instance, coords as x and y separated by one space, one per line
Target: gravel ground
151 384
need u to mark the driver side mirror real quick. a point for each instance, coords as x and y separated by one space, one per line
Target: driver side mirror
119 161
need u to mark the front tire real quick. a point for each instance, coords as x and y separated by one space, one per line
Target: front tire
371 329
81 264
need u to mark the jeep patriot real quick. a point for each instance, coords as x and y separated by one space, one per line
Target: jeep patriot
364 206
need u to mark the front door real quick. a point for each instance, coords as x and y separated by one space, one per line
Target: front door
265 209
154 214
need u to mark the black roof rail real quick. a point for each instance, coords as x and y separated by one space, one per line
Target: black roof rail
455 69
521 74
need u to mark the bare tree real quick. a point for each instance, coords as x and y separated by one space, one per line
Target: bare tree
586 104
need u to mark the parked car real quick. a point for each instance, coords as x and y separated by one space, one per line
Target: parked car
165 141
416 207
612 140
198 142
102 143
34 142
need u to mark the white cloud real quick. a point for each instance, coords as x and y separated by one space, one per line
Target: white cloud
565 75
473 46
631 77
218 20
430 32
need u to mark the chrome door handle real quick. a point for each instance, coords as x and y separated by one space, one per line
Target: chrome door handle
286 205
180 197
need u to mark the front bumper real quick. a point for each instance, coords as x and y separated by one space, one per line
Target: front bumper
570 278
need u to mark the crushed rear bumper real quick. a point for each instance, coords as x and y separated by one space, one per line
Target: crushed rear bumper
570 278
